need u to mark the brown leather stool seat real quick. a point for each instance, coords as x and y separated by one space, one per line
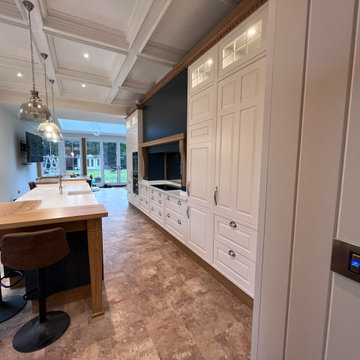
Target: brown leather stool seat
36 251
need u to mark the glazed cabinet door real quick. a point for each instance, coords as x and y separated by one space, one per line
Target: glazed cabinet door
238 150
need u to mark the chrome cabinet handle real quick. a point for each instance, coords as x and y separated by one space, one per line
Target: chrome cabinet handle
179 222
168 215
159 201
187 213
188 188
159 213
159 194
233 224
168 197
232 253
179 202
152 191
152 198
215 195
152 209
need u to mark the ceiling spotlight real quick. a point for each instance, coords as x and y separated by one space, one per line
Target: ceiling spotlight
86 55
251 32
210 61
83 85
19 75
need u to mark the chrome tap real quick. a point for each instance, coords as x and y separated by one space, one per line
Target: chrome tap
60 182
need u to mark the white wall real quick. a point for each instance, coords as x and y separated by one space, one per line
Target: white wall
14 176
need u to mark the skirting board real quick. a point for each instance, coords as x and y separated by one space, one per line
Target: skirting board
241 295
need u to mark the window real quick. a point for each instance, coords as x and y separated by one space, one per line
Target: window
93 160
201 73
245 44
123 170
50 164
72 156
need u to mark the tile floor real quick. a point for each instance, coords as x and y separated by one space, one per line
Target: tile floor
159 304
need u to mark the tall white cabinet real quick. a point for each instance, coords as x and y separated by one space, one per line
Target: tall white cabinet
225 115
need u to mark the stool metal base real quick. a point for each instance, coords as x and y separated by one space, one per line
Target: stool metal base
34 336
10 306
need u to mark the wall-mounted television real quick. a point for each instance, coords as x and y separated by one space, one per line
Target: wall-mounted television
35 148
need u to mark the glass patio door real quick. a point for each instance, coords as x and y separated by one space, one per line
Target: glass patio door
110 155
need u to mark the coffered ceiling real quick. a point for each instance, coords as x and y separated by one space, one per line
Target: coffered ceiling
108 52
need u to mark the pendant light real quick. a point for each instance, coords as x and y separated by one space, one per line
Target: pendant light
48 129
33 109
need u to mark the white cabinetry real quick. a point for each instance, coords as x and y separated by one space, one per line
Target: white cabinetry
132 135
176 217
225 116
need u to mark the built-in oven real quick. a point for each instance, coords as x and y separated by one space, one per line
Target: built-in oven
135 164
135 173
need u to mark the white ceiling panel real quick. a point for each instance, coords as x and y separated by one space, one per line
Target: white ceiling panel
70 54
187 21
14 41
111 13
127 98
147 71
74 89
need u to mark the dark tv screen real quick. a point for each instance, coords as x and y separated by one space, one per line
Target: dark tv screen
35 148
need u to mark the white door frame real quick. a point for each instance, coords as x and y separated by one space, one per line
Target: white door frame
301 172
281 134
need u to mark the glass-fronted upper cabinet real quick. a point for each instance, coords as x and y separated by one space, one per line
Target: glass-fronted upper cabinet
247 41
202 72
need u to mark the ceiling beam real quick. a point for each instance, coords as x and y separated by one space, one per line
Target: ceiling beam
153 16
15 97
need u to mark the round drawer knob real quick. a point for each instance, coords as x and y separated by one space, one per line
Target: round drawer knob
233 224
168 215
152 209
168 197
179 202
179 222
159 213
231 253
159 194
152 198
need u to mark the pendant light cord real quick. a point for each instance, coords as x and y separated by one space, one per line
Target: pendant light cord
53 106
46 93
32 54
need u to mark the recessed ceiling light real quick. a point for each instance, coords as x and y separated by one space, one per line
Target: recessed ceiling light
86 55
251 32
83 85
210 61
19 74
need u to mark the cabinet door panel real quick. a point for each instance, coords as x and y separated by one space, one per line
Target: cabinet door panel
200 231
201 106
199 173
238 148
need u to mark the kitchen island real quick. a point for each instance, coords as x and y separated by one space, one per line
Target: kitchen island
74 210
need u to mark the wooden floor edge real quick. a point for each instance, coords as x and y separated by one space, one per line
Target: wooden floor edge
240 294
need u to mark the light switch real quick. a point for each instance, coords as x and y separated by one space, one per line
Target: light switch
355 263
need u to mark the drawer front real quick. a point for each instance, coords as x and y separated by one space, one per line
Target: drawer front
143 200
144 208
156 199
233 234
174 220
156 211
237 268
143 189
156 194
175 204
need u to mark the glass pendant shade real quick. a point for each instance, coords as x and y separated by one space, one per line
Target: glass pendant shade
33 109
49 131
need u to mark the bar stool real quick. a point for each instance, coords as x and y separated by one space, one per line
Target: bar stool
36 251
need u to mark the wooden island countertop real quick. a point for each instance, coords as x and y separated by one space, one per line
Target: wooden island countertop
75 210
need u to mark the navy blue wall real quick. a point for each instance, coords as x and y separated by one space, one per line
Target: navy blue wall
164 115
